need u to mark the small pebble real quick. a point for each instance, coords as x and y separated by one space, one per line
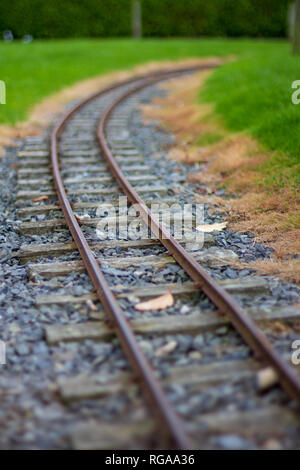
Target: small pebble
234 442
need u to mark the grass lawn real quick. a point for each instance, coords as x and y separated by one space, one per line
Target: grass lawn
33 71
252 94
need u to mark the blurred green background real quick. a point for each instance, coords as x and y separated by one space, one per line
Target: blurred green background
75 40
163 18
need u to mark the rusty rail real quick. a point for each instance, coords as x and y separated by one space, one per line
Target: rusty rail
171 425
253 336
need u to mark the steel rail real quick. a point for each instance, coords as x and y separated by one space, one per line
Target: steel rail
171 424
253 336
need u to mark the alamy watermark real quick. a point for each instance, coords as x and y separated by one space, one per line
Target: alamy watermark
2 92
125 222
295 358
296 94
2 353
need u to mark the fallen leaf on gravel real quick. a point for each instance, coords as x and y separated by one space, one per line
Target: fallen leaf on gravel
296 326
159 303
166 349
91 305
266 378
280 327
82 217
212 227
119 287
41 198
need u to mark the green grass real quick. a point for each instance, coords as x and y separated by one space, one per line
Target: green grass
33 71
253 94
209 138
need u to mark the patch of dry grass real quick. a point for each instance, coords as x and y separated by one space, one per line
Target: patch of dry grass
287 270
234 162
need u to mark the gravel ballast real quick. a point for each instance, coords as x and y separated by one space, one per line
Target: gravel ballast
31 413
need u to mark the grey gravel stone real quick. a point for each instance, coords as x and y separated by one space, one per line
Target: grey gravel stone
222 331
32 380
22 349
233 442
198 342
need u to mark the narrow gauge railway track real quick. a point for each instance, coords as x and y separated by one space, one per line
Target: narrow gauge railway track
71 145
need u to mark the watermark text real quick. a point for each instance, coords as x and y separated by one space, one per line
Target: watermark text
296 94
167 220
2 92
295 359
2 353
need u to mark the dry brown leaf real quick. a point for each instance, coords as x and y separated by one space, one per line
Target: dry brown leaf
266 378
212 227
119 287
280 327
91 305
82 217
159 303
166 349
40 198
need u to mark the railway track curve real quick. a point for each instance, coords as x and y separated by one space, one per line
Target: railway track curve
116 161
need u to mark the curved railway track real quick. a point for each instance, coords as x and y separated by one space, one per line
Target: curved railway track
73 143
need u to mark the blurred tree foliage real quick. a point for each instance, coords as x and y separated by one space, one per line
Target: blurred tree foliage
254 18
94 18
66 18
